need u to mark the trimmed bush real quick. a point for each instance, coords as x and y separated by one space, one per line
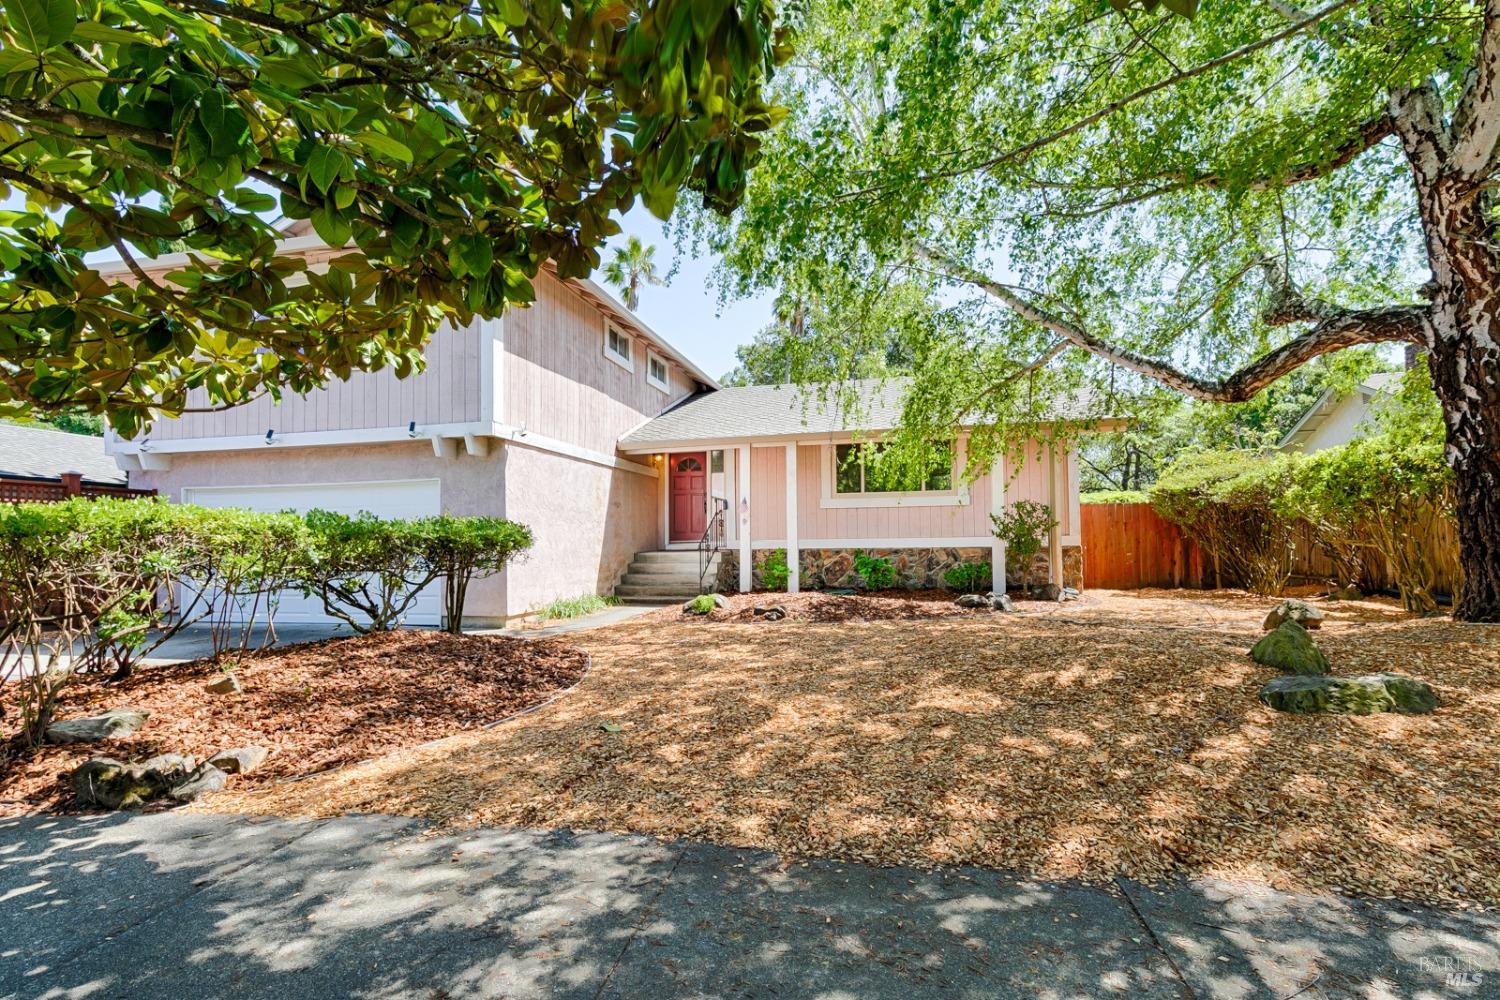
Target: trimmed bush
877 573
774 572
1114 496
1231 503
461 548
969 578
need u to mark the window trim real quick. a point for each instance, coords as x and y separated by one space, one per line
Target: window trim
954 496
626 363
665 383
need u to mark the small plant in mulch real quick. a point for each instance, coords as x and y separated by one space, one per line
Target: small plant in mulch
877 573
968 578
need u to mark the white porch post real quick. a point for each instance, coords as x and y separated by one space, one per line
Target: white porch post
793 546
1054 538
997 506
742 488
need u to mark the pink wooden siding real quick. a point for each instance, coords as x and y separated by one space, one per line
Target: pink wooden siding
447 391
558 381
1027 481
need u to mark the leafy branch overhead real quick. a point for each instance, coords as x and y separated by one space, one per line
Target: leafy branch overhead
453 148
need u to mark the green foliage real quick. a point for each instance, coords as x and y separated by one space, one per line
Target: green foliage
576 607
877 573
1231 502
452 147
1114 496
1024 527
1384 494
969 578
632 264
461 548
702 604
774 572
73 420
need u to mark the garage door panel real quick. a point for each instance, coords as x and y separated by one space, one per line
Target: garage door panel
391 499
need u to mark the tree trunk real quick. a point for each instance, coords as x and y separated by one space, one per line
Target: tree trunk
1466 375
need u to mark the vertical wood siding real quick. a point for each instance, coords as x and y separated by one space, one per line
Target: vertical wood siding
558 381
446 391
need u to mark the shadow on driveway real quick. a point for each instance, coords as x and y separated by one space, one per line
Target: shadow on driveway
187 905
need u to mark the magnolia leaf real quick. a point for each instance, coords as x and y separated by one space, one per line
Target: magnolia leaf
40 24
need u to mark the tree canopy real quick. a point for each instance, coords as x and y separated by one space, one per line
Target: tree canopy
1100 199
453 147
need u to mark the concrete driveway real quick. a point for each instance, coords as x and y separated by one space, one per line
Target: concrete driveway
187 905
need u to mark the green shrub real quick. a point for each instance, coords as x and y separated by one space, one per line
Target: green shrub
1231 503
702 604
1385 494
1024 528
1114 496
969 577
461 548
576 607
774 572
877 573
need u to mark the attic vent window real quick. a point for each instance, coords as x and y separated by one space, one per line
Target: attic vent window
617 348
656 372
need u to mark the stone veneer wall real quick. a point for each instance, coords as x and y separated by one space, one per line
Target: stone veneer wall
915 568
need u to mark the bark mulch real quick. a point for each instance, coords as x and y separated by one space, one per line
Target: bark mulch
316 706
884 605
1120 738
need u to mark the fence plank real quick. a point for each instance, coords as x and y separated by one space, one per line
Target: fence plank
52 491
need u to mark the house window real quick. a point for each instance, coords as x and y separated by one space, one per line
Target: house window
656 372
860 469
617 348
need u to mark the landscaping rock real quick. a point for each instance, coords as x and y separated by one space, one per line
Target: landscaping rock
770 612
1293 610
240 760
167 769
1363 695
1291 650
228 684
974 601
205 779
1049 592
115 722
103 781
1001 602
1069 594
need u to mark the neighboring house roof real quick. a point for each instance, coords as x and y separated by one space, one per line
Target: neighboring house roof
786 411
1328 404
299 238
43 453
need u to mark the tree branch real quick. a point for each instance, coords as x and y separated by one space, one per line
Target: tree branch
1335 329
1476 122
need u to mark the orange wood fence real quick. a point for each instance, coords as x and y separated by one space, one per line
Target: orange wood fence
1127 546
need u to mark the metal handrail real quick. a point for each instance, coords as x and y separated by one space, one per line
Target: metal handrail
712 540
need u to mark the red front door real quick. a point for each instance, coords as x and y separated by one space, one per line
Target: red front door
688 492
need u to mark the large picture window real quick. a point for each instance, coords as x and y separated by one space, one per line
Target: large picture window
865 468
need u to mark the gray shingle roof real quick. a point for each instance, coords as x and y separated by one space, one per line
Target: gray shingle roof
43 453
734 413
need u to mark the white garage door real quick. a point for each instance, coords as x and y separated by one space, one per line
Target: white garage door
405 498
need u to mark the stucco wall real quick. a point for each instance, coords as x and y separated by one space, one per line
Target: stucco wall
589 521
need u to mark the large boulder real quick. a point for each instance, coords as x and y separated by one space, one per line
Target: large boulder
1293 610
103 781
1363 695
974 601
91 729
1001 602
205 779
1291 650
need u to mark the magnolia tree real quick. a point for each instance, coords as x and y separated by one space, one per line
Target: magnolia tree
1104 200
452 147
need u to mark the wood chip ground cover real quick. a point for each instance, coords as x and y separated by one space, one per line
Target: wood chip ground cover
1120 738
315 705
885 605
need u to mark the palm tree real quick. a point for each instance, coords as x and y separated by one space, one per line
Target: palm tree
632 264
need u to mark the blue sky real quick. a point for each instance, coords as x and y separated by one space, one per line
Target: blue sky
687 312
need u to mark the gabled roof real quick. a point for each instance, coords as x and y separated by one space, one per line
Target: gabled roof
736 413
298 238
1328 403
44 453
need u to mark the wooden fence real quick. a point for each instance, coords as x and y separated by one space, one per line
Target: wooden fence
69 484
1127 546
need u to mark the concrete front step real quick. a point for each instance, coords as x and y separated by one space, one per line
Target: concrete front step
669 556
651 593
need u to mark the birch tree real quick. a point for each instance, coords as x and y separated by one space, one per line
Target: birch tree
1203 204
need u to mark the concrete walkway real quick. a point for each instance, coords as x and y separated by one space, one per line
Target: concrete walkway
196 641
186 906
